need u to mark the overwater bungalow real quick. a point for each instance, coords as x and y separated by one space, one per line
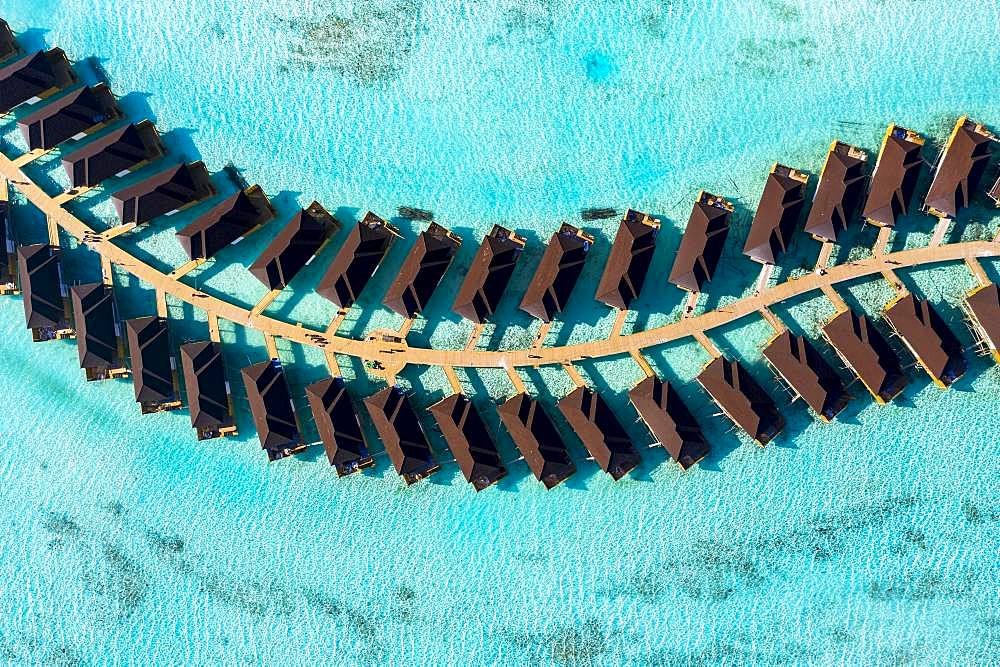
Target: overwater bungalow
34 76
295 246
557 273
741 399
422 271
927 337
116 153
153 366
805 371
46 310
357 260
959 169
339 426
402 434
98 338
777 214
982 310
629 260
164 193
272 409
702 243
489 275
865 351
660 407
8 43
537 438
895 177
594 422
226 223
838 193
72 116
8 258
209 399
469 441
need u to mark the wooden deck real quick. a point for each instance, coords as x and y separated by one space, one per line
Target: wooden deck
825 252
977 271
772 319
882 241
940 229
377 351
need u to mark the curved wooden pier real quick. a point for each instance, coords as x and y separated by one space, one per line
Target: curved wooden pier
396 354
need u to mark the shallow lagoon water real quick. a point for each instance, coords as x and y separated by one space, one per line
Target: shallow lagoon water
872 540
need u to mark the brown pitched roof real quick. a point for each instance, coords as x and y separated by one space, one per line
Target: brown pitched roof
422 270
928 338
94 317
489 275
226 223
8 43
70 116
777 214
294 247
984 307
40 277
114 153
995 192
338 425
702 243
537 439
807 373
469 440
272 409
629 260
32 75
960 169
895 176
838 193
557 273
604 437
866 351
356 261
402 434
152 361
660 407
206 386
742 399
163 193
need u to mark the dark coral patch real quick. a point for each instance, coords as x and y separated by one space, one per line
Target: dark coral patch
369 45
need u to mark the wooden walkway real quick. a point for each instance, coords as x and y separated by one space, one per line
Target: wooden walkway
376 351
772 319
825 251
940 229
977 271
882 241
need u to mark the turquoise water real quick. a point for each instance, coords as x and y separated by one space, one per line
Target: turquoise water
870 541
